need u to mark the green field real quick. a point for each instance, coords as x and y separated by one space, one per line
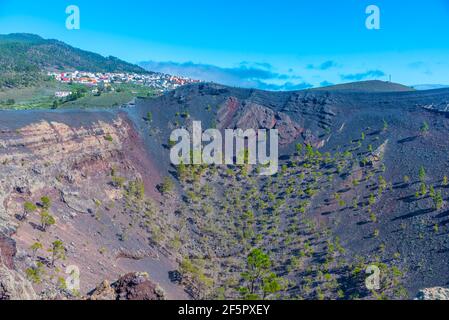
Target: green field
123 94
42 96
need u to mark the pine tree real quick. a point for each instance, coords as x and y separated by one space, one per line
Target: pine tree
35 248
57 251
424 128
46 202
422 174
47 220
28 207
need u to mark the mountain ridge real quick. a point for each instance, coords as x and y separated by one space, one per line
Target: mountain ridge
24 57
367 86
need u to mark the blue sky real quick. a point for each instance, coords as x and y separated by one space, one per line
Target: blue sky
283 44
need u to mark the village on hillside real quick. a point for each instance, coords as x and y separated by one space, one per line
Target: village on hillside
157 81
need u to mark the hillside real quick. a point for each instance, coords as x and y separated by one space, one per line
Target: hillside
356 199
24 56
367 86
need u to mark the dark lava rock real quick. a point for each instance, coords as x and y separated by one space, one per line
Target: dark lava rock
7 251
137 286
22 190
132 286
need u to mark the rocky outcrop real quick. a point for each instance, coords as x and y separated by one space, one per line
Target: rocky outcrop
255 116
227 111
375 158
77 203
132 286
104 291
14 286
44 153
7 251
442 107
71 158
250 115
437 293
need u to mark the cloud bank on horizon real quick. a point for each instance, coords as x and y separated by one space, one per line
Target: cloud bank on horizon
255 75
262 75
245 75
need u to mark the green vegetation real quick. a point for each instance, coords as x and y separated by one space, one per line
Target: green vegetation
424 128
136 189
261 229
260 281
41 272
42 96
46 202
385 125
422 174
28 207
24 84
166 186
25 55
445 182
253 236
194 270
36 273
35 247
406 180
57 251
47 220
437 200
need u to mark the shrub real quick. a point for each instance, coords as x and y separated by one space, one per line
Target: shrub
422 174
28 207
46 202
35 247
118 182
35 274
166 186
47 220
424 128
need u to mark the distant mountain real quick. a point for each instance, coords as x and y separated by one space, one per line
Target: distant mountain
429 86
367 86
24 56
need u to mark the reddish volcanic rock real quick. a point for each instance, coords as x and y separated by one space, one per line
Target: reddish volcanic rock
227 112
137 286
132 286
256 117
250 115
